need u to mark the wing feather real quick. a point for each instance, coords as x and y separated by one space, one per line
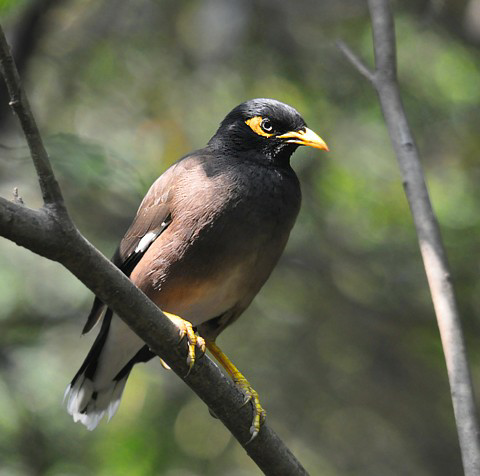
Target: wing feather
152 219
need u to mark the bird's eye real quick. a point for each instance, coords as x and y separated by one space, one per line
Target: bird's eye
261 126
266 125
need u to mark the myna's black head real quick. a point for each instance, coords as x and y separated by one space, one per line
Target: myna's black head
264 129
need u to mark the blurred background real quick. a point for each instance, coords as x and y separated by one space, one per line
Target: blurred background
341 343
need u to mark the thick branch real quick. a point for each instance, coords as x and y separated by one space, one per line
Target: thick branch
31 228
52 196
50 233
431 246
384 46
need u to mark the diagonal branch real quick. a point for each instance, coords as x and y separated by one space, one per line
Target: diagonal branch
428 232
41 233
50 233
361 67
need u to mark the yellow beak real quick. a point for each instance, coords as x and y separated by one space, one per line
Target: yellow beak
305 137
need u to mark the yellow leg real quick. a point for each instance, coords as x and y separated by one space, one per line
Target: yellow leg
194 340
259 414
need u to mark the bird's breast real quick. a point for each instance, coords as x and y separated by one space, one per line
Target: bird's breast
227 233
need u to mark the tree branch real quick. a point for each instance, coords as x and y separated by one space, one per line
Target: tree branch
50 233
428 232
384 46
52 196
25 36
360 66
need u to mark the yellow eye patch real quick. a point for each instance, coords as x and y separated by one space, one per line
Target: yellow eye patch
255 123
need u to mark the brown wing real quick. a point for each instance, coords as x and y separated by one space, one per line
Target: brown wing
152 218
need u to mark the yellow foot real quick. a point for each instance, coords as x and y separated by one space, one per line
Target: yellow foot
251 395
259 414
194 340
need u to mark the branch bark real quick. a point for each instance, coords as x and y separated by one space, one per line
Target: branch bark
50 232
52 196
25 36
384 80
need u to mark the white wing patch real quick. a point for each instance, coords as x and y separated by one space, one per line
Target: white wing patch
150 237
146 241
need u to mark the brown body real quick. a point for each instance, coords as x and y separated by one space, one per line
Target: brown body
205 239
210 263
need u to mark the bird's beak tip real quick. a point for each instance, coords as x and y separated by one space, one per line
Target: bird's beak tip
307 138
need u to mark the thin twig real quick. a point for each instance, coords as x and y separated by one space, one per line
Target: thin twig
431 246
52 195
360 66
17 198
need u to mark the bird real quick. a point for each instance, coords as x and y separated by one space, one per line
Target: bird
204 240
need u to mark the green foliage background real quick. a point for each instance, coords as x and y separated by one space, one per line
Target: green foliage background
342 342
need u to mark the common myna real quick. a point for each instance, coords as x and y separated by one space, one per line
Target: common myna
205 239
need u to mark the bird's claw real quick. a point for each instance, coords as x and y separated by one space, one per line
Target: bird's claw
259 414
165 365
185 329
